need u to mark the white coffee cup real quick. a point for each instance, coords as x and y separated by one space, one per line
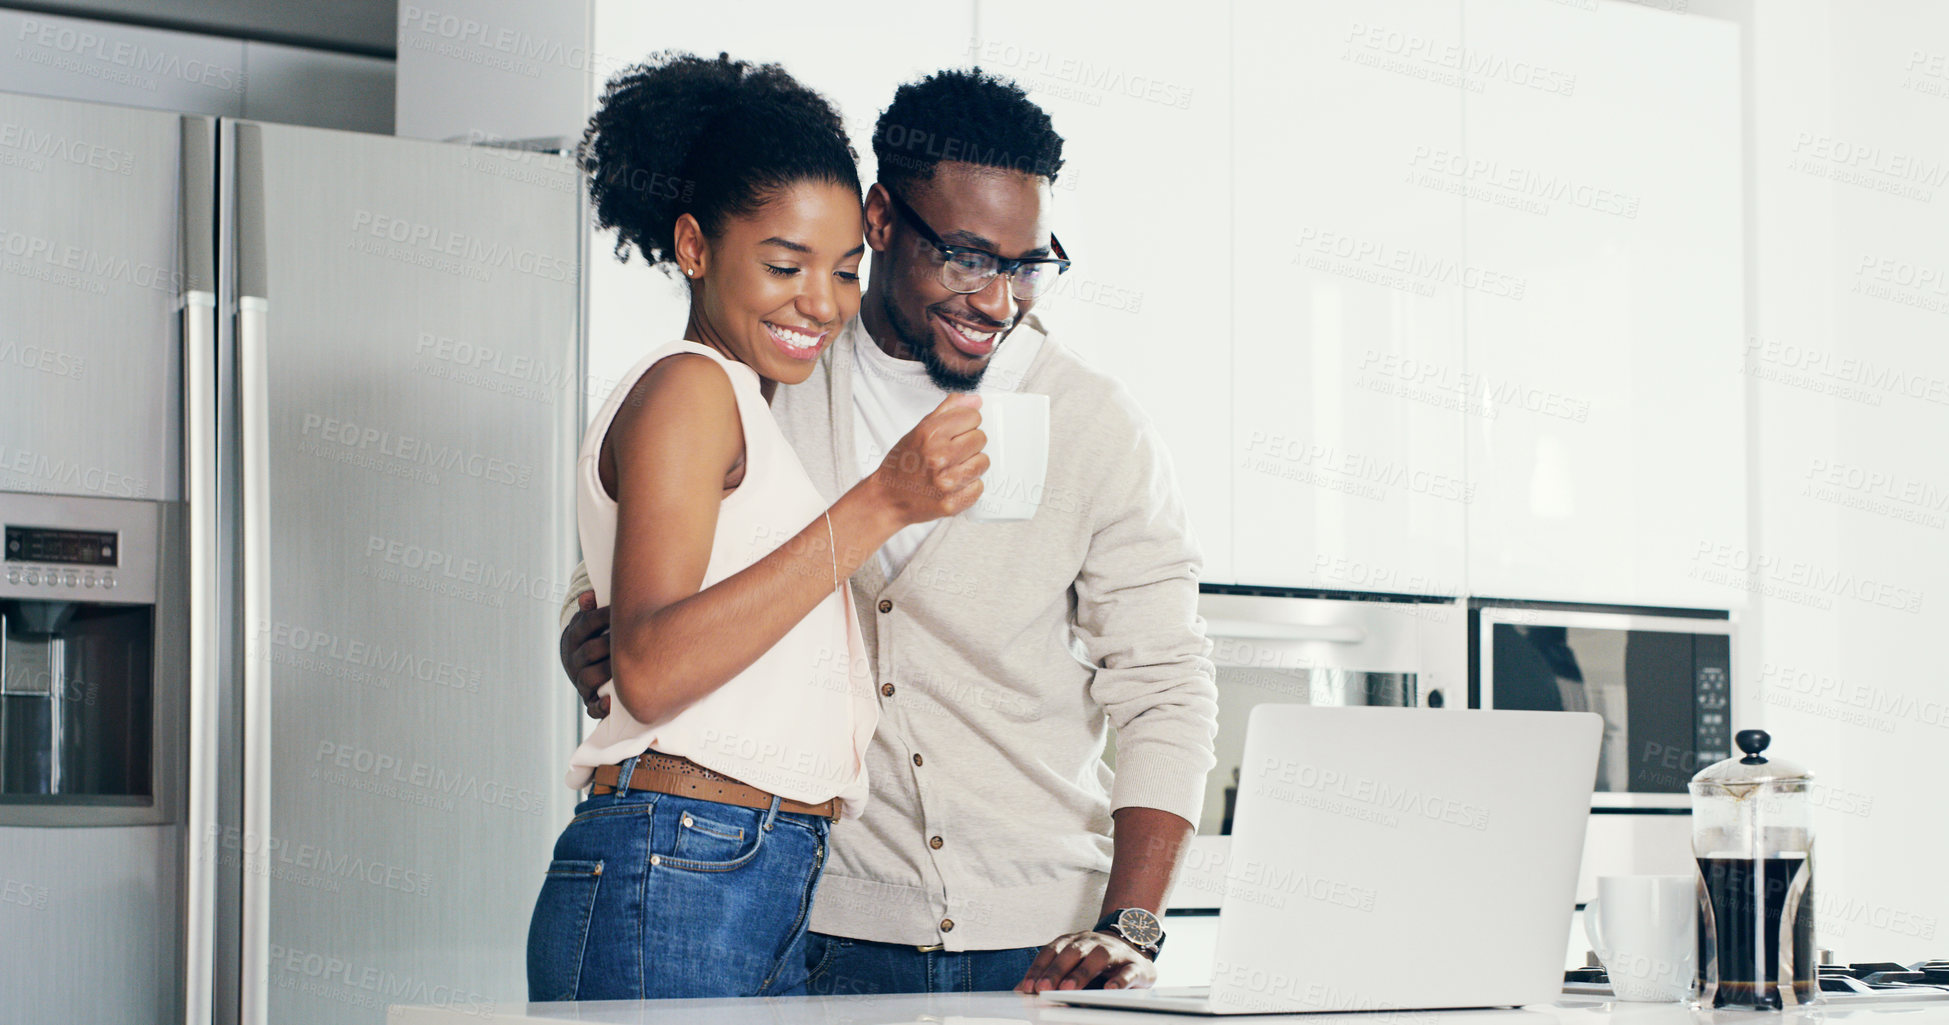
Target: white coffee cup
1645 930
1017 425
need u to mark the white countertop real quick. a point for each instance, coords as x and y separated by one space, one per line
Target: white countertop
1013 1009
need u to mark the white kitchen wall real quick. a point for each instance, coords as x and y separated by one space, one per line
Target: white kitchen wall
1848 373
107 62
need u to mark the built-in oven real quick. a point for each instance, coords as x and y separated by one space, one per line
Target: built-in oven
1287 647
1660 678
1269 647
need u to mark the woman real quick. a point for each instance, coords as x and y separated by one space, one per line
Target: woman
741 706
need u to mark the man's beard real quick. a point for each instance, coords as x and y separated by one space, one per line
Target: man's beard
920 343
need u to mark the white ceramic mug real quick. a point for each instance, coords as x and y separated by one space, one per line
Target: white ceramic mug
1645 930
1017 425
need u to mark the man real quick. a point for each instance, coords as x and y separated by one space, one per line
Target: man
1003 652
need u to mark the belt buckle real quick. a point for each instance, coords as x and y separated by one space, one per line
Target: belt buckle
929 948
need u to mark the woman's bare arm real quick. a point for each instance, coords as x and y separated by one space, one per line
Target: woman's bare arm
673 443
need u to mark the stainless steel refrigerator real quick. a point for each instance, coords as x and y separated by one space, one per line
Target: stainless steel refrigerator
365 379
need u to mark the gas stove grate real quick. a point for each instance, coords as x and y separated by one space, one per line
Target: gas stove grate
1860 981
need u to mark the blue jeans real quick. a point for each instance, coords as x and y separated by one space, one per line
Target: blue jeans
838 965
652 896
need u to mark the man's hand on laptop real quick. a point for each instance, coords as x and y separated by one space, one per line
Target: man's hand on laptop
585 653
1088 960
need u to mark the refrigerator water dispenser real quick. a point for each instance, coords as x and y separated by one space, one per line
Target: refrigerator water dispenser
89 671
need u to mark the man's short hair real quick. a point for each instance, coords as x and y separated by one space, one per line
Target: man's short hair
970 116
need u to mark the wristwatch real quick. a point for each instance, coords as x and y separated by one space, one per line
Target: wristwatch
1137 927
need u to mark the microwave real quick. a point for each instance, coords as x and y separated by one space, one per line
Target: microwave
1661 679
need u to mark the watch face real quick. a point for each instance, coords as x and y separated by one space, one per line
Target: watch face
1140 927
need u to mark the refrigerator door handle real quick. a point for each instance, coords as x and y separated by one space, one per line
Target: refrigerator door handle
199 349
253 316
200 444
253 386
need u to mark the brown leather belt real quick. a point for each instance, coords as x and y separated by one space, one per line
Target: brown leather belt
660 773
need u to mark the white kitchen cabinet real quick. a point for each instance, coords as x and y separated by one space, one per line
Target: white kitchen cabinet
1144 206
192 72
1348 285
1603 171
1433 297
128 65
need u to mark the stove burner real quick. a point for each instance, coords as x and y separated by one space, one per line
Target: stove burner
1923 980
1868 976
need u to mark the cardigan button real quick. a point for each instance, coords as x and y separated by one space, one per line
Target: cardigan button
886 690
885 605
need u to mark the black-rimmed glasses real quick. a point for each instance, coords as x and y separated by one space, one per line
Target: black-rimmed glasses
966 270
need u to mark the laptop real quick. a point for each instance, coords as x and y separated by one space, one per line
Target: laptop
1394 859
